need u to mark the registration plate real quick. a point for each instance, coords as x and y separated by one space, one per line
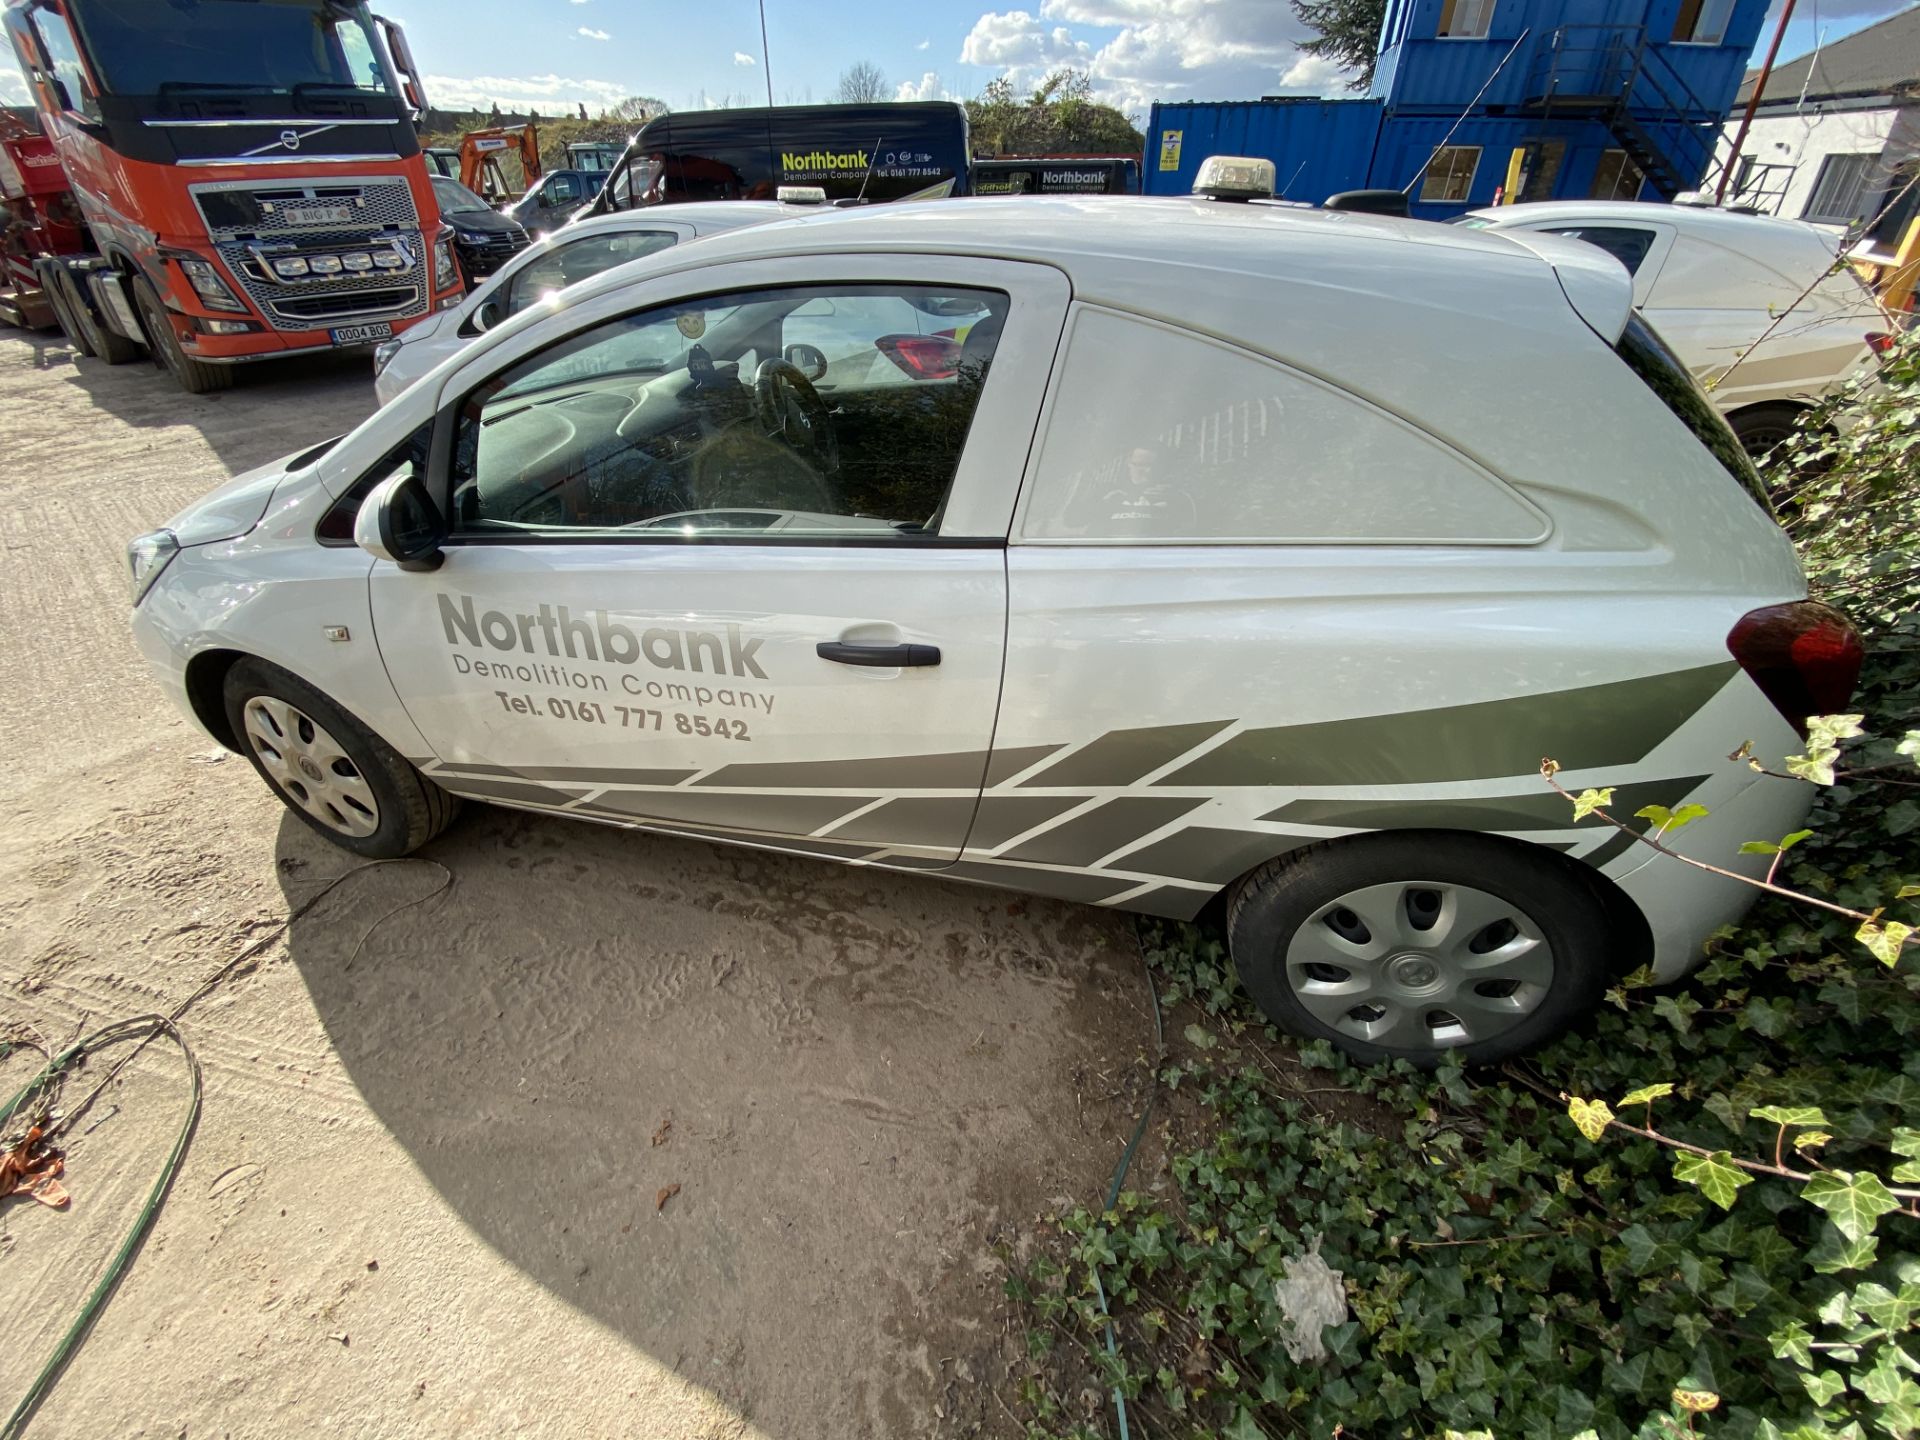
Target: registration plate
361 334
316 214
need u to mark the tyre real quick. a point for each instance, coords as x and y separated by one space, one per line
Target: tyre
329 769
1761 429
196 377
111 346
54 278
1406 945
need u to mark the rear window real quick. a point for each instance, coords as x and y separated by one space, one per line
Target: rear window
1660 369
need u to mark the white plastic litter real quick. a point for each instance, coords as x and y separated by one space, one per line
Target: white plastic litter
1311 1297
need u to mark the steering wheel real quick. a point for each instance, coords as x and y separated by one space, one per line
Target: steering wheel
792 411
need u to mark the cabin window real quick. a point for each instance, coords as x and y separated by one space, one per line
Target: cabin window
1449 176
1702 22
1465 19
1844 191
1616 177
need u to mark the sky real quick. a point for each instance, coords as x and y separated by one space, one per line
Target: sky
555 54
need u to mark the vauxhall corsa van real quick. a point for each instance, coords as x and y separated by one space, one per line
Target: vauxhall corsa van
1096 548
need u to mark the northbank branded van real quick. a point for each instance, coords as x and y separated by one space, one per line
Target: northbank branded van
1095 548
870 152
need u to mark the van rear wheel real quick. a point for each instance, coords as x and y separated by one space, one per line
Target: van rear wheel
329 769
1405 946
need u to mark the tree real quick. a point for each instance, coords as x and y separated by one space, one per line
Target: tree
1061 115
861 83
638 108
1345 31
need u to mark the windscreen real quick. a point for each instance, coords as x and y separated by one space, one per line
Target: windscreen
163 47
1660 369
455 198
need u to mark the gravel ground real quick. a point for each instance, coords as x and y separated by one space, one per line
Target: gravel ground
422 1196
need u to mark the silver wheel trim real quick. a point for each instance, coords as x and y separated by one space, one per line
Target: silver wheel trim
309 767
1419 965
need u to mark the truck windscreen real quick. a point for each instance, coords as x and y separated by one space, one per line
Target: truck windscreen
232 46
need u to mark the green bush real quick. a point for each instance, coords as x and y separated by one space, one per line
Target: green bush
1508 1271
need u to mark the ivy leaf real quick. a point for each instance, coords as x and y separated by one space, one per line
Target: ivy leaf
1824 1387
1590 1117
1199 1037
1646 1095
1834 1253
1813 1140
1906 1142
1853 1202
1588 801
1717 1177
1884 942
1910 747
1664 819
1793 1341
1902 816
1696 1402
1766 847
1791 1114
1677 1010
1244 1427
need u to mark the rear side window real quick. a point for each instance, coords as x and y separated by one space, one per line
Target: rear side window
1626 243
1158 435
1660 369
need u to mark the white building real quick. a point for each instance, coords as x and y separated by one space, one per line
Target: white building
1836 137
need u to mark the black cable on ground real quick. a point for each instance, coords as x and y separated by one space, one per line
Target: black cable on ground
1126 1162
39 1092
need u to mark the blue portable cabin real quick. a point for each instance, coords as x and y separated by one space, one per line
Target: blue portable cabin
1615 98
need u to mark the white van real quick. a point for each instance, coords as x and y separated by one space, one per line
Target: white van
1713 282
1095 548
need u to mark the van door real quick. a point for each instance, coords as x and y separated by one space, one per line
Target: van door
708 576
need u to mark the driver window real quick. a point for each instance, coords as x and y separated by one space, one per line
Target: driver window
831 410
568 264
77 95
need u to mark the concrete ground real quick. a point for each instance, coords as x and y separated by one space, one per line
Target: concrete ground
423 1194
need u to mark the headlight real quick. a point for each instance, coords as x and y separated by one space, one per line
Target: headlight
208 285
325 264
384 352
444 273
147 557
357 260
293 266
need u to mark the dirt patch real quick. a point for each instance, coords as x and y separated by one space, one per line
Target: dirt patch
423 1196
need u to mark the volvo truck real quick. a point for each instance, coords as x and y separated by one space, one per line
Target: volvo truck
247 175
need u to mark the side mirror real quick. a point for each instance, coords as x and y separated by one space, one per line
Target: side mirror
487 316
398 521
809 360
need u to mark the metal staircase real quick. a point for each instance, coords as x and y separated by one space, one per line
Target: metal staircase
1611 73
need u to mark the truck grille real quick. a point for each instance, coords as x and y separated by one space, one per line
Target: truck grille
246 219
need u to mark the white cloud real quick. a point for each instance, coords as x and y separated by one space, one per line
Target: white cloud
927 87
923 45
545 93
1021 47
1165 49
13 87
588 33
740 57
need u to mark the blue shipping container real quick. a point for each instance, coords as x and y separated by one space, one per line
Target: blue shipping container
1318 146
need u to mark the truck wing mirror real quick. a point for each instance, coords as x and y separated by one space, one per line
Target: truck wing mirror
398 521
413 88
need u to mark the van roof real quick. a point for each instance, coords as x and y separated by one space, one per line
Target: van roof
1767 237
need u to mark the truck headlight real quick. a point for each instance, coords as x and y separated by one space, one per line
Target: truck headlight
208 285
444 273
147 557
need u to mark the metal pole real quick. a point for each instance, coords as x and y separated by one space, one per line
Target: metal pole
1753 101
766 63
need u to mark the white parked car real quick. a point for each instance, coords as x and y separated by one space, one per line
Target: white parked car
563 258
1125 565
1714 282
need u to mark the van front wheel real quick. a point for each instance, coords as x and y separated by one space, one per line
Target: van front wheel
1403 946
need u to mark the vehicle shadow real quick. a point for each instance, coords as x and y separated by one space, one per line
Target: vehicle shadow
766 1117
248 425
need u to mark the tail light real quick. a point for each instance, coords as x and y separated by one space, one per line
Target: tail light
1804 656
925 357
1881 343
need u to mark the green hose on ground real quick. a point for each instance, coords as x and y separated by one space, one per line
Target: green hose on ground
138 1030
1120 1171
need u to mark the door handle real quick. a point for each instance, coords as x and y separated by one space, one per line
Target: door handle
883 657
